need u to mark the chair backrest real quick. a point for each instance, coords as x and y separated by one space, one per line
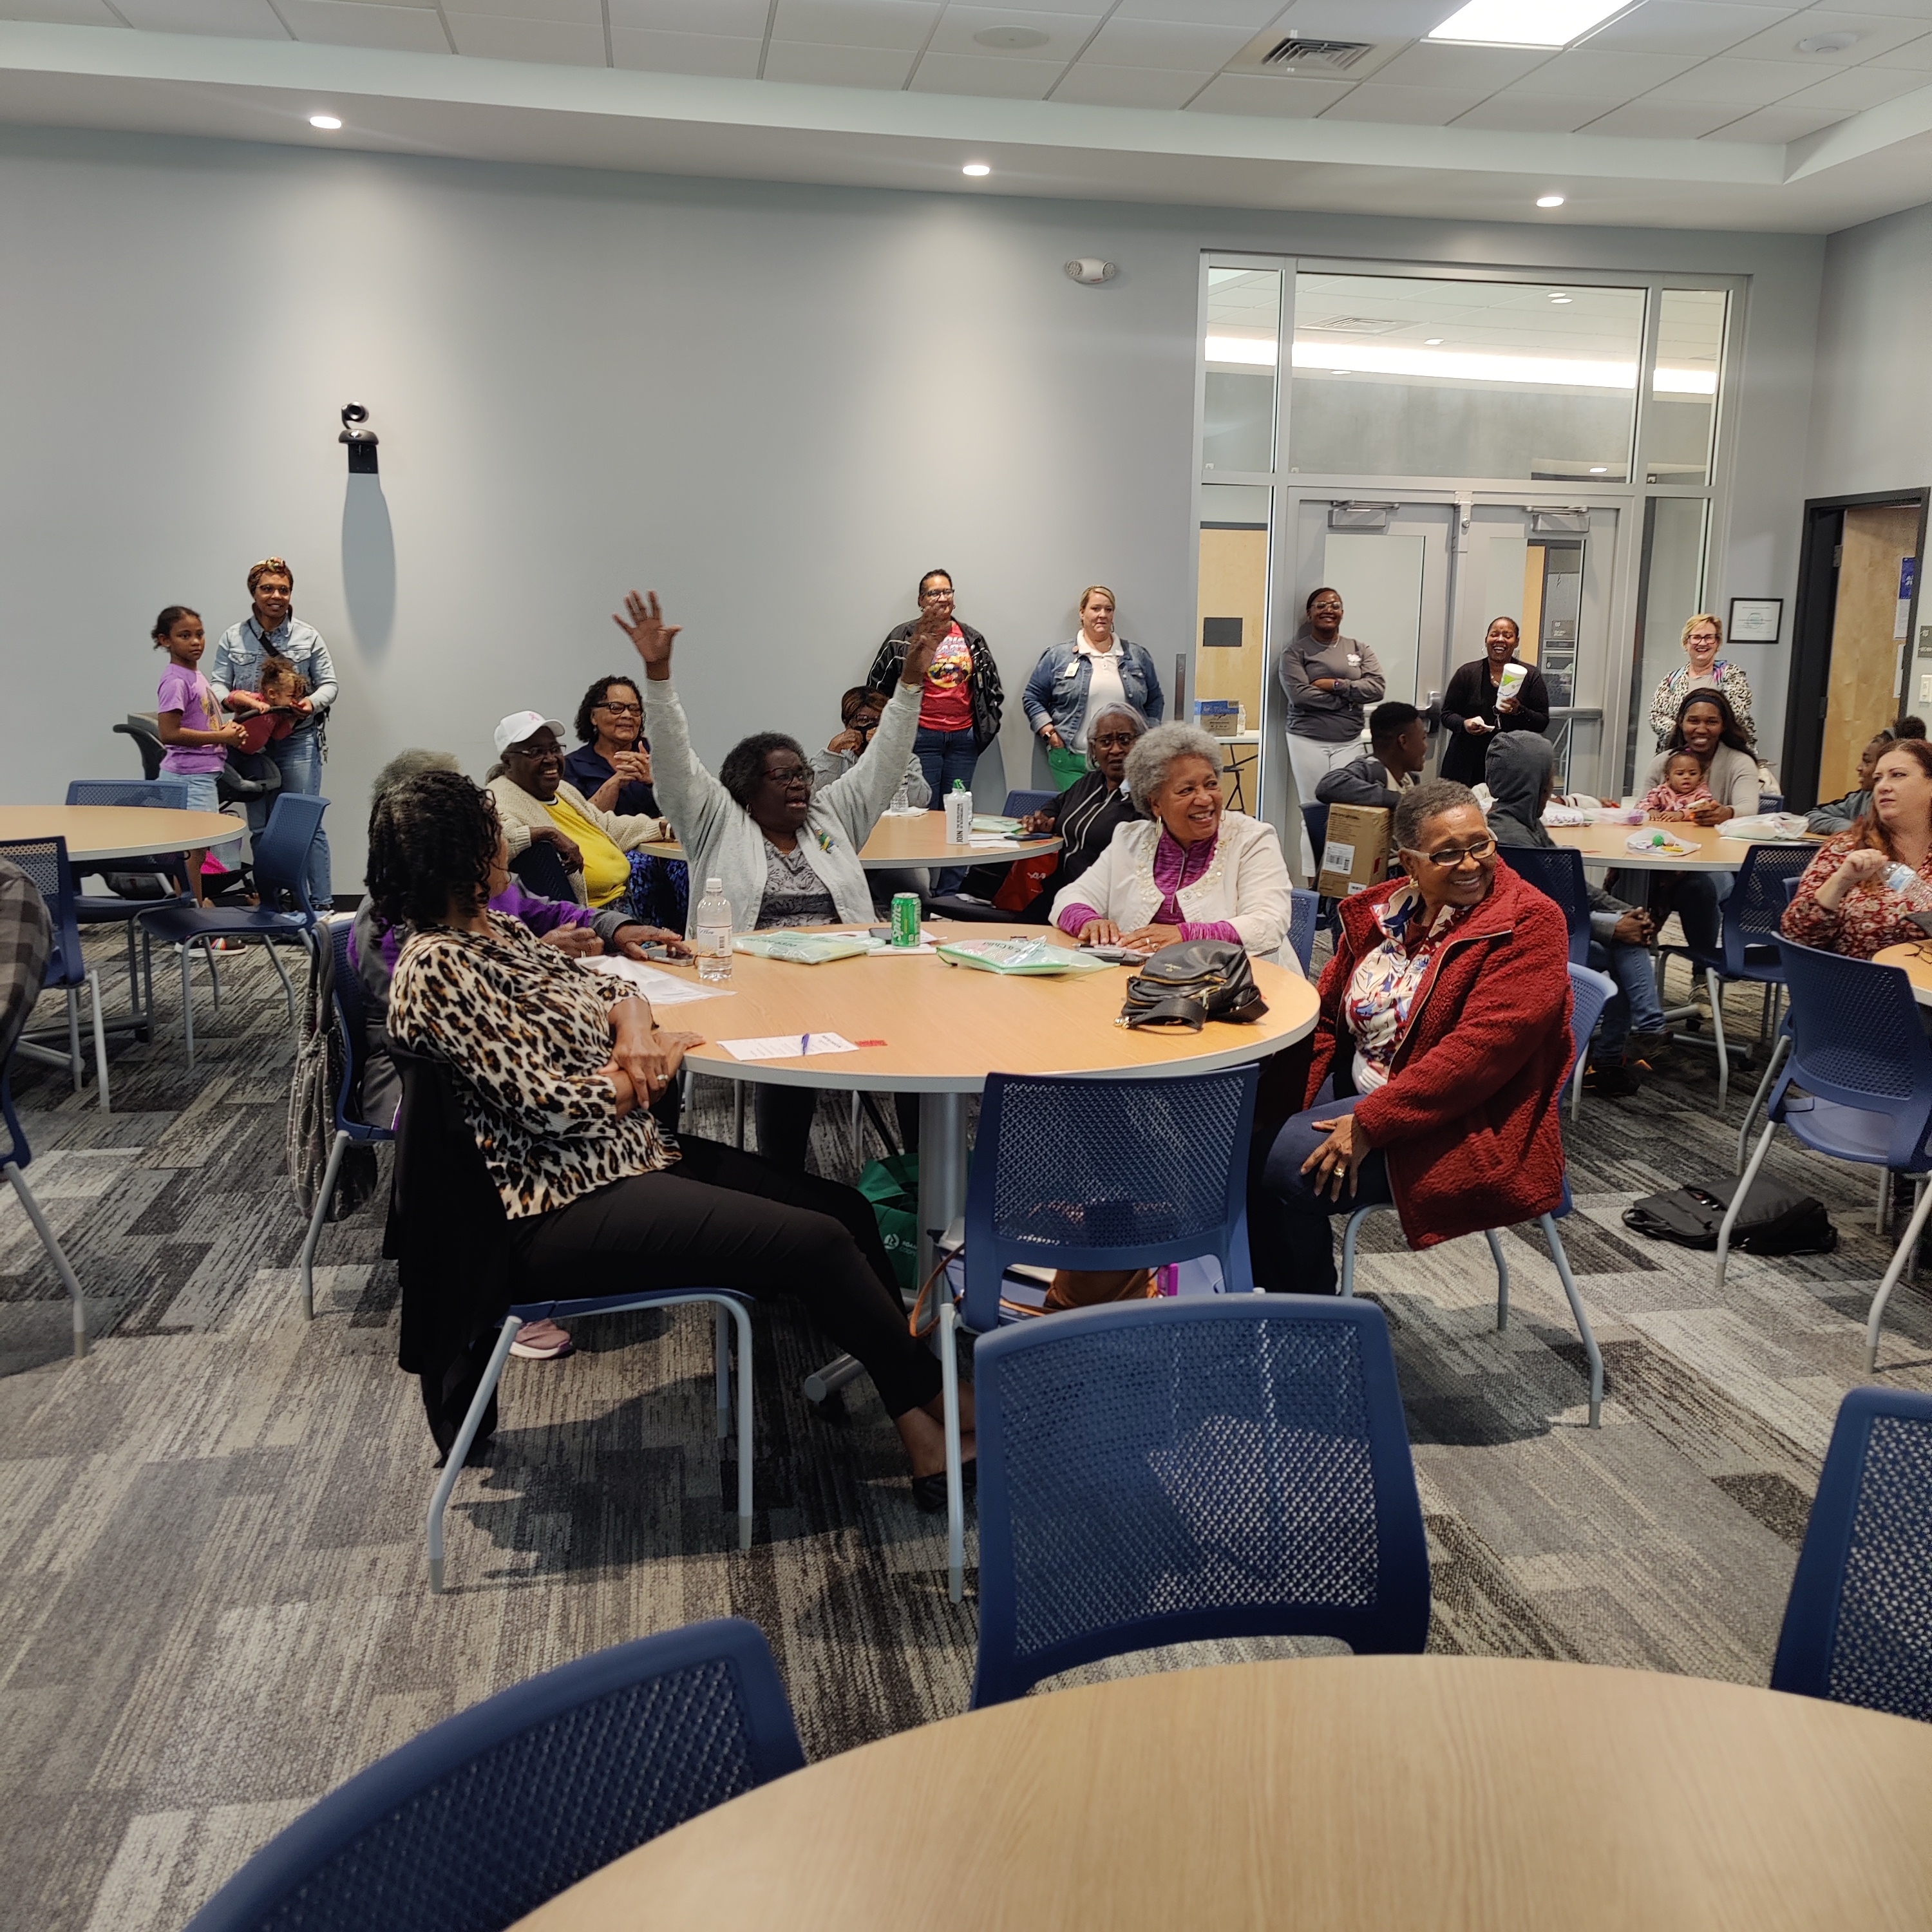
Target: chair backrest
1754 912
539 869
1158 1472
163 794
352 1007
283 846
1557 874
1791 885
26 939
45 861
1856 1039
1108 1174
1304 909
147 743
1019 803
1590 992
481 1820
1858 1625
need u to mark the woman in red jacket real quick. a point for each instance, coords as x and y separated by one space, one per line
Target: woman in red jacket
1440 1057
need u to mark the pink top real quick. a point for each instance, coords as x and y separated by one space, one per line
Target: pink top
1661 801
1176 867
186 692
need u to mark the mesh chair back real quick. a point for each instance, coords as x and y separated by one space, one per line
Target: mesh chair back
1590 992
1558 875
283 846
479 1821
1304 909
1856 1039
155 794
1108 1174
539 869
1858 1626
1159 1472
45 861
1019 803
1755 910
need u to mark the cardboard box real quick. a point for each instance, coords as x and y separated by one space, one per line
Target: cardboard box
1354 855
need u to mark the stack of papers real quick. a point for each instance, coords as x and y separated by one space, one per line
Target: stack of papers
661 989
1031 956
788 1046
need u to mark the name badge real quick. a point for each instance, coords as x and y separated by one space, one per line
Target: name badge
1071 669
1354 657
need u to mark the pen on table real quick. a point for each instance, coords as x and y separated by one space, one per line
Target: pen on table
805 1043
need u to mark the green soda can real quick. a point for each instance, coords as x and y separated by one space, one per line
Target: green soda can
905 918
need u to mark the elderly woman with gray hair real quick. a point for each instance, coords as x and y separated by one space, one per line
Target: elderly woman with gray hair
1190 869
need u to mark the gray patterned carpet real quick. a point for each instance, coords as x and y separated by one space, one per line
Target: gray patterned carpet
214 1607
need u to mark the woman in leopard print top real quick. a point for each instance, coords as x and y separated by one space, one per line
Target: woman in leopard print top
559 1066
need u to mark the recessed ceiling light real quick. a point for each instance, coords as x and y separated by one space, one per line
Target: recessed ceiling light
1010 37
1599 469
1526 23
1341 372
323 121
1433 341
1560 299
975 169
1827 44
1549 201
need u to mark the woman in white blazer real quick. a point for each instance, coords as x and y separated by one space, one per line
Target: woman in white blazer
1191 869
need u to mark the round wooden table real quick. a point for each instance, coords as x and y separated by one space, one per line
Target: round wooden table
96 833
1603 845
944 1028
919 838
1916 956
1352 1794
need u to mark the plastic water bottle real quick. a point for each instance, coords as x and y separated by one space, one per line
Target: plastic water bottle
713 924
901 804
959 814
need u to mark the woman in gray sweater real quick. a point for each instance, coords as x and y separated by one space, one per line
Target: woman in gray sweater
1330 680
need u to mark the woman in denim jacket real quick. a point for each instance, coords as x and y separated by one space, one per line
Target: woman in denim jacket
1094 667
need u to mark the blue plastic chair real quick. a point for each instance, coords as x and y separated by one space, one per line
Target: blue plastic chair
1590 992
1097 1174
1858 1624
1558 875
281 870
1020 803
351 1015
45 861
1159 1472
1780 1047
1304 909
1748 948
25 978
479 1821
1857 1086
110 908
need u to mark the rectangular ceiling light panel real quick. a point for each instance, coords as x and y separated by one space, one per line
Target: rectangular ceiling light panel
1526 23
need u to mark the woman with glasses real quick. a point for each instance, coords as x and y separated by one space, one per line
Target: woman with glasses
1440 1055
785 853
1329 680
612 763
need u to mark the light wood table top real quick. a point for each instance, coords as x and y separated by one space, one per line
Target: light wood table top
1916 956
97 833
1604 845
946 1028
1479 1794
917 839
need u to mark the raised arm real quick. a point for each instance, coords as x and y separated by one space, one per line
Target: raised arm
858 798
691 796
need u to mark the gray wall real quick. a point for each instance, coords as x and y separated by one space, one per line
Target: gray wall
777 405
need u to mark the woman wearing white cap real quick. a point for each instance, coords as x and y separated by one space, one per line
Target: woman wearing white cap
534 802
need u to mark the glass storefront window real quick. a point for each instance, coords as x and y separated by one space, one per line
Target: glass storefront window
1684 388
1243 345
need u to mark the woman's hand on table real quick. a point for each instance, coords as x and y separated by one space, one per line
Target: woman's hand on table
642 622
1039 824
573 942
1859 869
631 941
1099 932
1712 813
1151 938
644 1066
1340 1156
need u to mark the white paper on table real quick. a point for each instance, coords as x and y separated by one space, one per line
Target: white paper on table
990 841
788 1046
661 989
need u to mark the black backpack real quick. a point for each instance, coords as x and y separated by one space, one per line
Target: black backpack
1193 982
1773 1220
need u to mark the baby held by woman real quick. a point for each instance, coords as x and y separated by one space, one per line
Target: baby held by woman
1683 790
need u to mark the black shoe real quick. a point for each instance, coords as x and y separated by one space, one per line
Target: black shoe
929 1491
1650 1047
1614 1078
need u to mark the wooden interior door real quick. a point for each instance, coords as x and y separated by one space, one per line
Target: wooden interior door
1861 693
1234 605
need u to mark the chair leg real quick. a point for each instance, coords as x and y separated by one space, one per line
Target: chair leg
1738 1201
1348 1235
1717 991
1882 1214
1901 1255
188 1003
133 972
1495 1240
724 1355
738 1115
281 973
61 1267
1778 1052
73 1035
742 1315
956 1484
452 1467
94 997
1560 1256
326 1194
1576 1088
214 975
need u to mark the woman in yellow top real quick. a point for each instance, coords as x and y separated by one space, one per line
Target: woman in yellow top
533 802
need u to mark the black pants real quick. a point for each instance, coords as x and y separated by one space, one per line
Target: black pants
720 1219
1290 1237
783 1117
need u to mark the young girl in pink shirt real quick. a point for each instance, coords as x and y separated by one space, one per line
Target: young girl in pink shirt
190 721
1683 789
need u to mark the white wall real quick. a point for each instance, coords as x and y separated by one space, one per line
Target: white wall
777 405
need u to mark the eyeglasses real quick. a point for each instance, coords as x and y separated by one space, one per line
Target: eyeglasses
1450 857
621 710
928 596
792 775
1104 740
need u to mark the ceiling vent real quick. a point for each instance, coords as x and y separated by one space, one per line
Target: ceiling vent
1350 324
1306 57
1330 56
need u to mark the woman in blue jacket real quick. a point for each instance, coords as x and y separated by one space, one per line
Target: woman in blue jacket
1074 681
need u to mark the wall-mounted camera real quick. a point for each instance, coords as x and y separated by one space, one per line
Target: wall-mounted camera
361 442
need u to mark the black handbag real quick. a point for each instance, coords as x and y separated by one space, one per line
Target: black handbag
1189 984
1774 1220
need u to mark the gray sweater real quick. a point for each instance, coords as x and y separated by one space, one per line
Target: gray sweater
722 840
1329 717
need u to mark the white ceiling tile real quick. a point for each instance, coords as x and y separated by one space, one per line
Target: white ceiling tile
1065 33
1903 10
1662 121
239 19
900 24
743 19
1604 75
1857 89
1725 81
1463 69
1279 98
1250 15
559 43
1915 57
567 13
1531 113
733 58
1164 43
1367 19
1006 80
60 13
1097 85
1877 34
1775 126
837 66
350 23
1403 107
1685 27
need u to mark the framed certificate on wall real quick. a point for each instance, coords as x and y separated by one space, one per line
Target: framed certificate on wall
1755 620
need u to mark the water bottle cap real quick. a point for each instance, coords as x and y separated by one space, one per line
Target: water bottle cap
714 885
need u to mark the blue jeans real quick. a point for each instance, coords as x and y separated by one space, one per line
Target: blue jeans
1700 895
299 757
942 757
1635 1005
204 794
1293 1250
